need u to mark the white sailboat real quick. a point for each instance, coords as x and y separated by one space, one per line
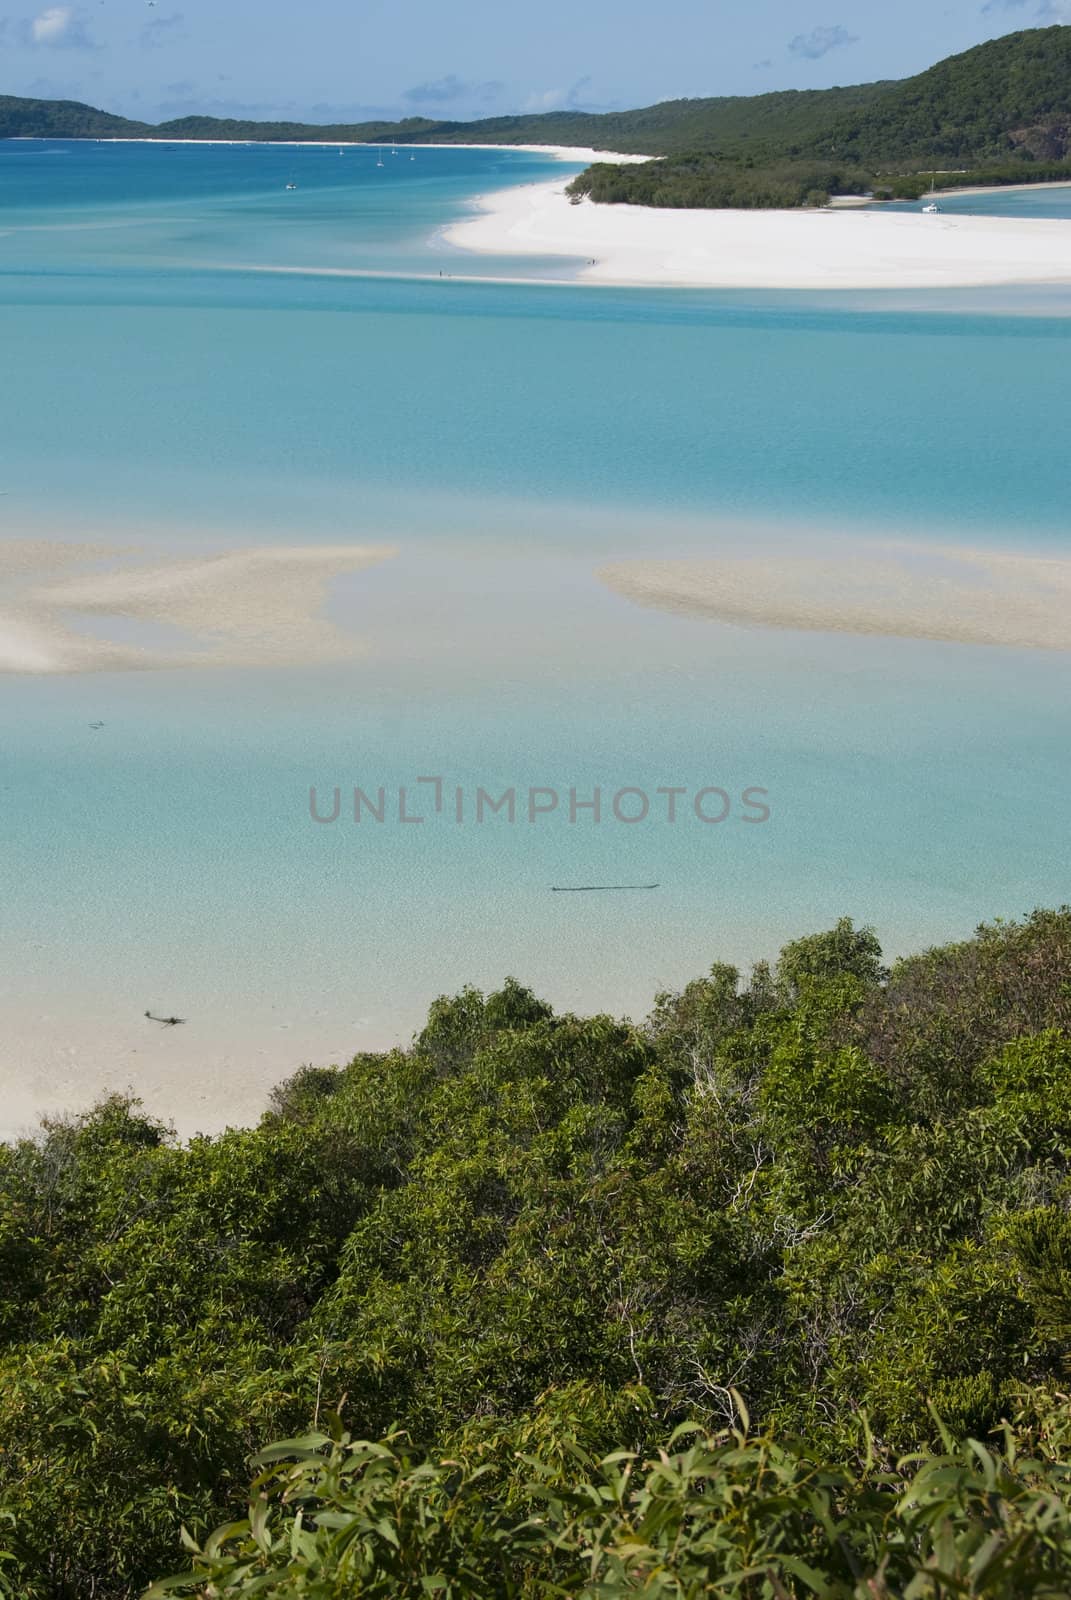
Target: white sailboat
933 209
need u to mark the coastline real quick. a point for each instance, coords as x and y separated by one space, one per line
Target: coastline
557 152
1002 188
844 248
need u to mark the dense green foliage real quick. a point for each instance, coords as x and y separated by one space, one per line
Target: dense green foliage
1008 96
1001 111
831 1190
1006 104
739 1514
300 132
913 186
735 122
732 123
62 119
700 180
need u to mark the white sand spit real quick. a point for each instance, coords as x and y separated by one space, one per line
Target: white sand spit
900 590
831 249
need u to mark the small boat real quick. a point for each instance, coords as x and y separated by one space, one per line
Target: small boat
394 152
291 186
379 163
932 210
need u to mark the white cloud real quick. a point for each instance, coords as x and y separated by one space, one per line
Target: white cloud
57 28
51 25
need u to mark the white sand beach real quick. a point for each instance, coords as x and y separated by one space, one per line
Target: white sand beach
556 152
966 596
203 1076
847 248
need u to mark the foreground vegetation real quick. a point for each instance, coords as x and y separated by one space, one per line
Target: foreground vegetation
1003 107
740 1514
821 1218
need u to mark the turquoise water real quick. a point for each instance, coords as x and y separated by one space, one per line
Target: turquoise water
1042 201
76 207
165 388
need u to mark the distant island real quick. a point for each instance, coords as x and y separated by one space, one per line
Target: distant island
997 114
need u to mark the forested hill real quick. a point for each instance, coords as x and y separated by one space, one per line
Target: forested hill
1010 97
1000 113
62 119
736 122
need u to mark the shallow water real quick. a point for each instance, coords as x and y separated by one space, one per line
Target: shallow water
1044 200
166 392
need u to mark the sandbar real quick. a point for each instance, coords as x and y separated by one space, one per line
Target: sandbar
242 608
896 589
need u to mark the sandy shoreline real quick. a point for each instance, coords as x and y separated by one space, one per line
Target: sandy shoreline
558 152
829 249
1002 188
211 1073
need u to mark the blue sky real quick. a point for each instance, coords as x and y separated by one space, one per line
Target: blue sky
349 59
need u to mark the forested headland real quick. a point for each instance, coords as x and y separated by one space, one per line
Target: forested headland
547 1305
997 114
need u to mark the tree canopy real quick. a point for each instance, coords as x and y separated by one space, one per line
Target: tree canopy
820 1214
